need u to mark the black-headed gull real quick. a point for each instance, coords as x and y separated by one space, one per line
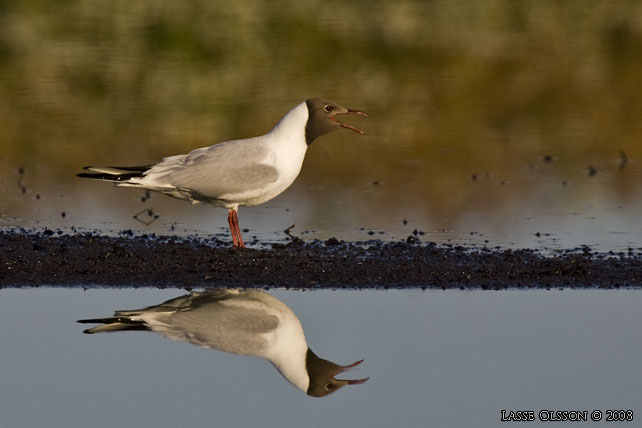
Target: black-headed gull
237 172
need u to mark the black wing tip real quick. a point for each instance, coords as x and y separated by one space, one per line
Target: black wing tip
92 321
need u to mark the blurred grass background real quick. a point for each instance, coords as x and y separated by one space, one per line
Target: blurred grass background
455 90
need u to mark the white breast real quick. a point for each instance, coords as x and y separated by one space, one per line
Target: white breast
289 350
287 151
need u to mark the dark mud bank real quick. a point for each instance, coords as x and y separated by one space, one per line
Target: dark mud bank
56 259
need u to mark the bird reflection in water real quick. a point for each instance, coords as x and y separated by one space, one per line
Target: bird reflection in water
247 322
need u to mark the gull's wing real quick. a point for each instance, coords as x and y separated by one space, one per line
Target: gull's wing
217 172
185 302
230 321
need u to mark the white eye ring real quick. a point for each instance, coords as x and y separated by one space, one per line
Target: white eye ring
328 108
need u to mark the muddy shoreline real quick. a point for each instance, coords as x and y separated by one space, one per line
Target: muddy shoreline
48 258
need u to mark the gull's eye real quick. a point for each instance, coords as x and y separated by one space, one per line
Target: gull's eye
328 108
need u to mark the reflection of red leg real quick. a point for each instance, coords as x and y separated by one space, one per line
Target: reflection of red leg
238 230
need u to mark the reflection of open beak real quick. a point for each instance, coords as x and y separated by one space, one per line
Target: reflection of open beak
344 368
350 127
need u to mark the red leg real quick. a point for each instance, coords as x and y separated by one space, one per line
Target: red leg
230 221
238 230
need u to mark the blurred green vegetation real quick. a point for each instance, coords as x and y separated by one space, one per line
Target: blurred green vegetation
460 86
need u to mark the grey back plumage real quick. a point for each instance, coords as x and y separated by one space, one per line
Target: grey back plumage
216 325
240 322
214 172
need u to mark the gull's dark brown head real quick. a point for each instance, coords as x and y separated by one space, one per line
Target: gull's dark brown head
322 375
322 118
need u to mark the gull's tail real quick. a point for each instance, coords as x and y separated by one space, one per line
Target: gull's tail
113 324
114 173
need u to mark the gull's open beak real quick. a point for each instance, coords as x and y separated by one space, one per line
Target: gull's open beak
344 368
350 127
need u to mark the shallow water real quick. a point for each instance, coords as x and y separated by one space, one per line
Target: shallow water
437 358
486 119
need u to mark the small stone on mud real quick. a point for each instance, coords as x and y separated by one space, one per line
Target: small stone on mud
412 239
332 241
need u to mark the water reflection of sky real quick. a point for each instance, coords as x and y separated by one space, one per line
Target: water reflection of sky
435 358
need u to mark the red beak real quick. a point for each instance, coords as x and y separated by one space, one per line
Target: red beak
350 127
352 381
